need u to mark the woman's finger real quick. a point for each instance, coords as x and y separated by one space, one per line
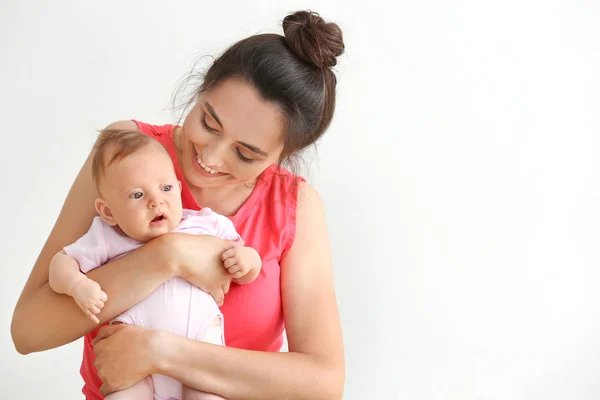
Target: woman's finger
107 331
225 286
218 295
104 389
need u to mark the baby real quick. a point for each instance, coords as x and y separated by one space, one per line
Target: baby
140 200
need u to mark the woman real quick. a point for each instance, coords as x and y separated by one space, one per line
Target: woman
264 100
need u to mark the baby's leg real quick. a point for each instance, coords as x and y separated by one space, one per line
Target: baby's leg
214 335
143 390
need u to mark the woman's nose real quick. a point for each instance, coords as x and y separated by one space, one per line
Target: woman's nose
213 156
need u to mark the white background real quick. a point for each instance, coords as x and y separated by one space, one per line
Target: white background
460 177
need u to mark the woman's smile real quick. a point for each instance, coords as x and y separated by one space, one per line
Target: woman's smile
202 168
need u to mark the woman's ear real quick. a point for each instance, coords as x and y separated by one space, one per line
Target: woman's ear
104 212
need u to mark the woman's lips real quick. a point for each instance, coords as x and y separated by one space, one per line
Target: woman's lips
202 170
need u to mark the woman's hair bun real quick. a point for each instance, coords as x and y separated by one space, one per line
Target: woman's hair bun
312 39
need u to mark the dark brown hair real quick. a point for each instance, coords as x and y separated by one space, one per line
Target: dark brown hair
120 143
292 71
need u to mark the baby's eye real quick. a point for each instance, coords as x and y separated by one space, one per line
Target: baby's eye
136 195
167 188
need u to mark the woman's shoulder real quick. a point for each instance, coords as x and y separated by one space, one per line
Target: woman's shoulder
280 184
156 131
279 176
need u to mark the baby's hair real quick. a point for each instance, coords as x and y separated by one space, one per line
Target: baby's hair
116 144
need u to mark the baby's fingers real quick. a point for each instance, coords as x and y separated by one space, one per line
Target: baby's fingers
238 274
230 262
233 269
228 254
94 310
103 296
92 317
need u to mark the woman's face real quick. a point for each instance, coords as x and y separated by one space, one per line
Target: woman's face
230 136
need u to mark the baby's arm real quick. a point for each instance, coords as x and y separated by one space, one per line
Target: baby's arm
243 263
66 278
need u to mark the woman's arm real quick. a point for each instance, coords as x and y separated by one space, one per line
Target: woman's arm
44 319
314 366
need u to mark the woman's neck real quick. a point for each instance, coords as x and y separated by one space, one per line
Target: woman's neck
224 200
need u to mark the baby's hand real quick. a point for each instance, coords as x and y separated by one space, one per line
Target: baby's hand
239 261
89 297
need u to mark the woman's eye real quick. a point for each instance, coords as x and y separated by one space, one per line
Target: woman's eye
168 188
136 195
205 125
241 156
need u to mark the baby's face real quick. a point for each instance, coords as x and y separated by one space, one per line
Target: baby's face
143 193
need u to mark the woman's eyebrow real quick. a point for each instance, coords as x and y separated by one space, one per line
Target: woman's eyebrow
254 149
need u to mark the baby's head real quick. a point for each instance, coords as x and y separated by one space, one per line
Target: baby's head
139 191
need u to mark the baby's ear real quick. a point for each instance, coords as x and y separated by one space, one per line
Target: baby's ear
104 212
179 184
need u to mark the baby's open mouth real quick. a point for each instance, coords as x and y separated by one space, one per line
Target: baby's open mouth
158 218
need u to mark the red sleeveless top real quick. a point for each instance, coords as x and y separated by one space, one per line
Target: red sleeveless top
266 222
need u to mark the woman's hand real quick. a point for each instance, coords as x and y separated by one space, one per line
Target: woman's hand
125 354
197 259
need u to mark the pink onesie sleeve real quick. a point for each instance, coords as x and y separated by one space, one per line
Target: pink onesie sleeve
224 228
90 249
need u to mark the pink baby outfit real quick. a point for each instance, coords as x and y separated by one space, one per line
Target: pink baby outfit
176 305
267 222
